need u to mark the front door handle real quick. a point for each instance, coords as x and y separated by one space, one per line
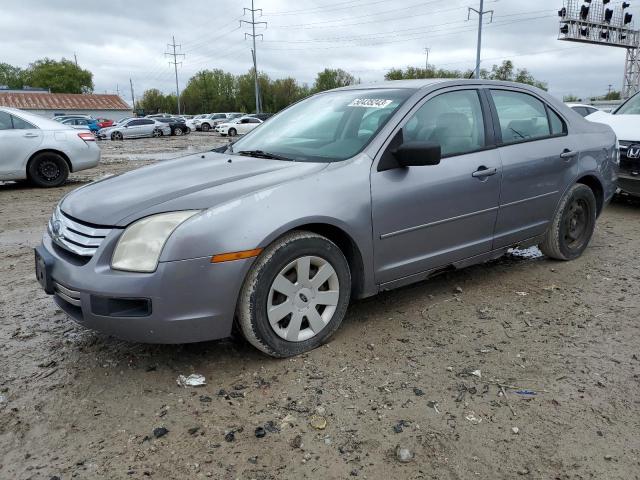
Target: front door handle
484 172
567 154
30 135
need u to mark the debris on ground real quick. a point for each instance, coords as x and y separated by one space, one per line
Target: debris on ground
318 422
160 432
403 454
193 380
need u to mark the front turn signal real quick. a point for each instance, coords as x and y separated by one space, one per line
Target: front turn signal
230 257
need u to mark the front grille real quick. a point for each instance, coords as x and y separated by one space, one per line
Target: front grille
74 236
626 163
66 294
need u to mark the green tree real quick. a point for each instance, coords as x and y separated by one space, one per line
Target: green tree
333 78
209 91
612 95
10 76
153 101
60 76
570 98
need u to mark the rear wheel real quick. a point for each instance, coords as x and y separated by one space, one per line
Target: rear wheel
179 132
48 170
157 133
205 127
295 295
572 226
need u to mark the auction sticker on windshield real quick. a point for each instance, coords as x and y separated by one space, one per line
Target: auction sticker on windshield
370 103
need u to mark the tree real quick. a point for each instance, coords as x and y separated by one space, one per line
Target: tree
153 101
333 78
431 72
11 76
209 91
612 95
570 98
60 77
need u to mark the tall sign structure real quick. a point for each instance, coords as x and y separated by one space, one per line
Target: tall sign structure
599 22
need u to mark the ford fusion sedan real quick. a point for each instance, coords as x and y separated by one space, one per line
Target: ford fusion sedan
625 121
343 195
42 150
135 128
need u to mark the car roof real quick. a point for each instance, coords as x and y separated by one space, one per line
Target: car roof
38 120
419 84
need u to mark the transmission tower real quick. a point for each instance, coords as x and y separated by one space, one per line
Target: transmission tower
175 64
253 36
604 23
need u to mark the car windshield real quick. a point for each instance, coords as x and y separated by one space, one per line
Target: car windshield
328 127
631 107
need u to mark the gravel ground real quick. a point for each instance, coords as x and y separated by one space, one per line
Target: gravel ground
519 368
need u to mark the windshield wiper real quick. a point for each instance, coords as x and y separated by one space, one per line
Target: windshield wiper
262 154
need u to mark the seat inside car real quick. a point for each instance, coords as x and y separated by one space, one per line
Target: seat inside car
453 132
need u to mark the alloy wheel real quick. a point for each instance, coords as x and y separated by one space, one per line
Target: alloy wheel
303 298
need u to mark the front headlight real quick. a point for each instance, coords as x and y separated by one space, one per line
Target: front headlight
141 244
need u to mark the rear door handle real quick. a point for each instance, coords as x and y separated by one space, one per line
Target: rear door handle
484 172
567 154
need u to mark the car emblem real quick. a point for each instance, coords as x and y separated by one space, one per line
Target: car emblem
56 229
633 152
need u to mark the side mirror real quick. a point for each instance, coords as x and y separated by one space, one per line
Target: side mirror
418 154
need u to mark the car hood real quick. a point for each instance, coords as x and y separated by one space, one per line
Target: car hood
193 182
626 127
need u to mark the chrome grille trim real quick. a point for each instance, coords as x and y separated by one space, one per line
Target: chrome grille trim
69 296
75 237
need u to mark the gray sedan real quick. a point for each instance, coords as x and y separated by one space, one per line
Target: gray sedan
342 195
135 128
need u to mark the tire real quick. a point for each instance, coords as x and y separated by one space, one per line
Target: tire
232 132
179 132
205 127
279 264
117 136
156 133
47 170
572 226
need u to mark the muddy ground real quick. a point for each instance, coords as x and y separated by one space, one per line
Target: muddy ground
519 368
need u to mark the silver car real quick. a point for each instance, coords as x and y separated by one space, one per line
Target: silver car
135 128
42 150
342 195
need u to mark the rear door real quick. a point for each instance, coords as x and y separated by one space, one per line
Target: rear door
431 216
539 160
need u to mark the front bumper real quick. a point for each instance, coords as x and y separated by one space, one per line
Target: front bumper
188 301
629 183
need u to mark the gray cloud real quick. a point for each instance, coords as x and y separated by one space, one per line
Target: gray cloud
120 39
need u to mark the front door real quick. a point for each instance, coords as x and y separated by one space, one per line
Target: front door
18 140
429 217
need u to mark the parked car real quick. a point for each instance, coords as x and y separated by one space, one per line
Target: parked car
82 124
238 126
60 118
135 128
41 150
159 115
261 116
191 123
584 110
105 122
214 119
625 121
342 195
178 125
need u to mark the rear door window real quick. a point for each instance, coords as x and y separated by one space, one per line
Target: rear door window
522 116
5 121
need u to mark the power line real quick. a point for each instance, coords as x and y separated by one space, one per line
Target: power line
253 36
175 66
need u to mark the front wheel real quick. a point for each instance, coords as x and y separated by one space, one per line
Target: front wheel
179 132
205 127
295 295
232 132
157 133
572 226
48 170
116 136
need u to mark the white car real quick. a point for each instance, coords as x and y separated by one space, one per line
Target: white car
135 128
191 123
41 150
581 109
238 126
625 121
209 122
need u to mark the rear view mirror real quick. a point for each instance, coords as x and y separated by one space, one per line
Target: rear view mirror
418 154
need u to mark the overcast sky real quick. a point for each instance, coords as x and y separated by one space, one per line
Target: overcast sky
119 39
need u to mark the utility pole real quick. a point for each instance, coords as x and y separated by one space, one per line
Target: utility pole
426 63
175 66
133 97
118 89
609 92
75 57
253 35
481 13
